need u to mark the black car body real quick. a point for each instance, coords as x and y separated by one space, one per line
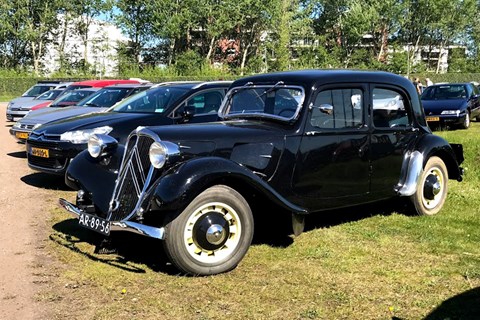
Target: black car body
51 146
451 104
297 142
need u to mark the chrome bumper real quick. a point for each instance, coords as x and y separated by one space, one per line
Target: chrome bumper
129 226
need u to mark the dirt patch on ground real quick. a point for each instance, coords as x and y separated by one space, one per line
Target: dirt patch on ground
26 267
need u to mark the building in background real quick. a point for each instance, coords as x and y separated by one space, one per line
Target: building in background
95 48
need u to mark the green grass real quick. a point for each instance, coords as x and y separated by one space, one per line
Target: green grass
369 266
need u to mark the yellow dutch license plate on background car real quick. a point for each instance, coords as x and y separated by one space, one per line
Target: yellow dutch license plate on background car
39 152
21 135
433 119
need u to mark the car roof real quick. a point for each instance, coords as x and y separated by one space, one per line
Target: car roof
103 83
194 84
311 77
129 85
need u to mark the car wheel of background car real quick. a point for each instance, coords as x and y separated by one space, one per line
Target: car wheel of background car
212 235
432 188
466 121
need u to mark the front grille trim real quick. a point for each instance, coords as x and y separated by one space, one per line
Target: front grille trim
132 168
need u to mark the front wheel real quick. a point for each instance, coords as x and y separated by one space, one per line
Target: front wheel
432 188
212 234
466 121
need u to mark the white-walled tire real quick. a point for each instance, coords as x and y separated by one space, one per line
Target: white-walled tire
432 188
212 234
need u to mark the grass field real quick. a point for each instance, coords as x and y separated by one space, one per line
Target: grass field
361 263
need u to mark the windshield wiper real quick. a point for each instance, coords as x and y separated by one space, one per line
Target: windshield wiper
92 105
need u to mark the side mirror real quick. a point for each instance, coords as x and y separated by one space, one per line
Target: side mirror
188 113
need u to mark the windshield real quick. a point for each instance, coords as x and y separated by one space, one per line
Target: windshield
37 90
71 98
50 95
105 98
445 92
156 100
279 102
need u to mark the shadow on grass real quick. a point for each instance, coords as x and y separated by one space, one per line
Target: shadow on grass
46 181
128 248
18 155
131 248
465 305
336 217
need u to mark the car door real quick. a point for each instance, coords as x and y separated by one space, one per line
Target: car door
332 167
474 101
393 131
204 105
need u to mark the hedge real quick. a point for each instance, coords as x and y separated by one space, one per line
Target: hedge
13 87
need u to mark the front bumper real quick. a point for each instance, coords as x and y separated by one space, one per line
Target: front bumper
446 119
20 134
16 114
56 156
124 225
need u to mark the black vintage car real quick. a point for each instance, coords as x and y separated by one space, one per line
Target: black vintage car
51 146
299 142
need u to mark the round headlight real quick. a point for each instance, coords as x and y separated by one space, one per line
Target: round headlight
95 146
158 154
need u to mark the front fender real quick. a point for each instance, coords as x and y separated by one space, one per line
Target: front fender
178 187
95 176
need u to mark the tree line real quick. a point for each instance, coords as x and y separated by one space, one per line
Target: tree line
249 36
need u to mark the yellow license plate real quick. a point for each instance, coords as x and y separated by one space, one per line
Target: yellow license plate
38 152
21 135
433 118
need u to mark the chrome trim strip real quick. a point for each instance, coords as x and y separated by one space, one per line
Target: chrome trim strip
412 169
124 225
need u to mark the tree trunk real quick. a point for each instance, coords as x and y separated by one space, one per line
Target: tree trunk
244 59
210 49
382 54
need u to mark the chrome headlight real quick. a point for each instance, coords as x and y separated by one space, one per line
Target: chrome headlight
101 145
17 125
82 136
161 152
454 112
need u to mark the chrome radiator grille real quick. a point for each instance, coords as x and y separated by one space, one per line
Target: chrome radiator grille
134 176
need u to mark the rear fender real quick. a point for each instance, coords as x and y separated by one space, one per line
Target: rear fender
414 162
179 186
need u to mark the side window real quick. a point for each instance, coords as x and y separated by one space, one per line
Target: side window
388 109
206 102
338 109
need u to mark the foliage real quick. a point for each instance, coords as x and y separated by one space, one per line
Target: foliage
247 36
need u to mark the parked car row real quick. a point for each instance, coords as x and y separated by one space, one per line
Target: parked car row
196 164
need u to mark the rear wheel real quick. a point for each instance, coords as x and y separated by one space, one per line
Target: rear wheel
432 188
212 234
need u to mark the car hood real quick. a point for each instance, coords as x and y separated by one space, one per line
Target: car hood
28 104
436 106
253 144
20 100
45 115
122 123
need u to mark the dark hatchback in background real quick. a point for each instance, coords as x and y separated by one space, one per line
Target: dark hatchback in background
452 104
289 144
51 146
99 100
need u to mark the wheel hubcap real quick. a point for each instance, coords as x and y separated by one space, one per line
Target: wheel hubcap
212 232
433 188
